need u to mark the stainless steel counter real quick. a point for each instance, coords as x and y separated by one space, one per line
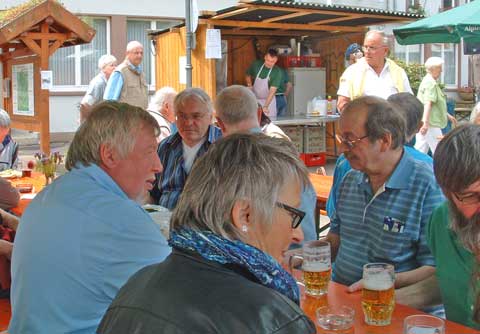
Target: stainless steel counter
304 120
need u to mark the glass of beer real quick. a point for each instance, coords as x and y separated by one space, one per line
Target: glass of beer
378 295
316 266
423 324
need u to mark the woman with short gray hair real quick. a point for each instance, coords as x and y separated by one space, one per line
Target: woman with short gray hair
236 217
96 87
435 115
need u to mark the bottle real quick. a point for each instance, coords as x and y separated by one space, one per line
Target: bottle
329 105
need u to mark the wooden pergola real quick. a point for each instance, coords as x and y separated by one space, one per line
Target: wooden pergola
27 39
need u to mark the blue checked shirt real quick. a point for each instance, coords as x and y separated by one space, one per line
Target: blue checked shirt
169 184
388 227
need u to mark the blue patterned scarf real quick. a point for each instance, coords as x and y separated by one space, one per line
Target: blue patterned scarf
221 250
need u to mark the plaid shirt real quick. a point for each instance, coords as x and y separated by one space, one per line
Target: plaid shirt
169 185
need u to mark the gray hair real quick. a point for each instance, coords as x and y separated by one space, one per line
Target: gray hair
157 101
475 113
235 104
456 158
382 119
411 108
4 119
378 32
433 62
110 123
133 45
106 60
196 94
240 167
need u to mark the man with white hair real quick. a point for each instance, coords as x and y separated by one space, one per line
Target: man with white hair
127 83
71 256
374 74
236 112
96 88
9 196
161 108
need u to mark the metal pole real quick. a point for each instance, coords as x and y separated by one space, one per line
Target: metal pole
188 67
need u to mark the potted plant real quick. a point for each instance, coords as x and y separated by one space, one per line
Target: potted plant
466 93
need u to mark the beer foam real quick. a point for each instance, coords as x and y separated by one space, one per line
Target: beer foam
378 282
315 266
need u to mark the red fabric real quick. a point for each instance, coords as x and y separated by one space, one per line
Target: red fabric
6 233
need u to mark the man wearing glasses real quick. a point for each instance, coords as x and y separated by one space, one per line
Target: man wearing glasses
385 202
454 230
193 112
374 74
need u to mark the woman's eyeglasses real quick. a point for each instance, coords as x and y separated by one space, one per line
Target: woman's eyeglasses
297 215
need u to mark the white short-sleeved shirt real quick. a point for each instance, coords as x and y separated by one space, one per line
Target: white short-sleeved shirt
376 85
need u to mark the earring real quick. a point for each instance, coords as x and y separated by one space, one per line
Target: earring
244 228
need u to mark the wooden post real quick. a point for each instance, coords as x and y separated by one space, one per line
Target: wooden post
44 94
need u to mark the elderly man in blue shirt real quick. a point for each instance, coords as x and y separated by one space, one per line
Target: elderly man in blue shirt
178 152
236 111
127 83
385 202
83 236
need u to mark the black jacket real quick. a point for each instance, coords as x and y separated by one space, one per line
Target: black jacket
187 294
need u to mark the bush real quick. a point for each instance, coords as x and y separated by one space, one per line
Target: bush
415 73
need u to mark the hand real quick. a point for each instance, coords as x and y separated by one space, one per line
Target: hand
358 285
424 129
265 109
452 119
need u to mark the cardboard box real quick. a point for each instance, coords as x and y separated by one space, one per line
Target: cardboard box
314 139
295 133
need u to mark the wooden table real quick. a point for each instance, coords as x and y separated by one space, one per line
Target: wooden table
338 295
38 182
322 185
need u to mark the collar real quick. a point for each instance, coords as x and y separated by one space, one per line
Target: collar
100 176
137 69
212 135
400 178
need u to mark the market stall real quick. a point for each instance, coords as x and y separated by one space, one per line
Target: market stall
320 33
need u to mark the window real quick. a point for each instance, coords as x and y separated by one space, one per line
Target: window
77 65
408 53
448 53
137 31
447 4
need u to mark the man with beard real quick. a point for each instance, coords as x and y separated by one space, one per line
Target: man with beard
454 229
385 202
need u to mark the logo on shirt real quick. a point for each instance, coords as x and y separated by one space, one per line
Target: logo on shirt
393 225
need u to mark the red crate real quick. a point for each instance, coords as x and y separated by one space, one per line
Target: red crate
314 159
310 61
302 61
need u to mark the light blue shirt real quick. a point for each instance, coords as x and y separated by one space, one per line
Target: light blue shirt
78 242
115 84
389 227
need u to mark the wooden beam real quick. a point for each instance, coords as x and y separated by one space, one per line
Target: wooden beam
58 43
32 45
233 12
17 53
285 17
48 35
284 26
338 19
279 33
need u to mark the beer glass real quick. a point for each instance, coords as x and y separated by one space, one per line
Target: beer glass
423 324
316 266
378 295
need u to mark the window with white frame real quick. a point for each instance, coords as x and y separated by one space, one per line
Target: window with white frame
77 65
408 53
448 53
137 31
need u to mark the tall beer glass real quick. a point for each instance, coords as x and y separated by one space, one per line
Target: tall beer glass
316 266
378 296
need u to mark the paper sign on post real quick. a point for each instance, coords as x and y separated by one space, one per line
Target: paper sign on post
213 48
47 78
182 75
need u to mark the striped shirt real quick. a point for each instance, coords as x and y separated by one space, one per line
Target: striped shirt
169 184
387 227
